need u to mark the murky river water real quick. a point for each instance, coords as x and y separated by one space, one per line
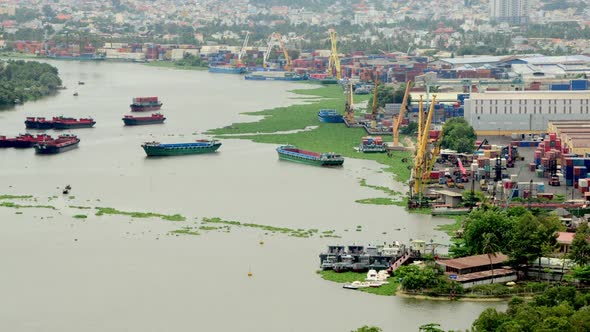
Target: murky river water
112 273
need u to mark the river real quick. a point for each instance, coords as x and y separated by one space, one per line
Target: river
114 273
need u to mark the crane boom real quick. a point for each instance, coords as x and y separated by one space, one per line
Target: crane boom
397 121
435 153
243 49
374 106
349 104
420 118
420 163
285 53
334 61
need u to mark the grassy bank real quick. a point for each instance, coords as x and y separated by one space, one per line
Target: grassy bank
346 277
326 137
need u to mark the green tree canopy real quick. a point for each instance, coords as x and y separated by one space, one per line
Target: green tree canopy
458 136
580 250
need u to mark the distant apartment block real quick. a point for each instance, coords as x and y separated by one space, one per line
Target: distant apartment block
510 11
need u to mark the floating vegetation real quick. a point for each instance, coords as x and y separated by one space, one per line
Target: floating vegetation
283 230
185 231
80 207
377 201
391 192
347 277
19 206
209 228
106 210
71 197
3 197
80 216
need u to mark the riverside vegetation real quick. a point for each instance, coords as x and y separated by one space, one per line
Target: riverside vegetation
21 81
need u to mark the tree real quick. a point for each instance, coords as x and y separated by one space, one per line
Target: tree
50 80
487 220
533 236
580 249
432 327
386 95
458 135
368 329
490 248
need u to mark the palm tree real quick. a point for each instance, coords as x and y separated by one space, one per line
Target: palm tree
490 248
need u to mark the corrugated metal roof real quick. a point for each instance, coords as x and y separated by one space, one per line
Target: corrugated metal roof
474 261
531 95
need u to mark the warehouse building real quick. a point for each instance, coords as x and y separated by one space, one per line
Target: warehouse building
506 112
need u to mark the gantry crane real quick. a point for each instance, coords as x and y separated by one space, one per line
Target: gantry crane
374 106
421 163
276 40
398 120
334 60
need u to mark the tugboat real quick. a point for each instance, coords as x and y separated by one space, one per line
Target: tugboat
155 118
291 153
61 144
38 123
141 104
372 145
330 116
28 141
71 123
200 146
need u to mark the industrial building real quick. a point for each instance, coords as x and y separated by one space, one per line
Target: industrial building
506 112
573 134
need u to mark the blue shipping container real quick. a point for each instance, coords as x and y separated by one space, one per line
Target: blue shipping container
579 84
559 87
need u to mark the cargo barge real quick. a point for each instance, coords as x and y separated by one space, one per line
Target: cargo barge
141 104
61 144
155 118
23 141
71 123
227 69
291 153
79 57
330 116
371 144
153 149
275 76
38 123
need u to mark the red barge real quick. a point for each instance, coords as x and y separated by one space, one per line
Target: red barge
141 104
155 118
23 141
61 144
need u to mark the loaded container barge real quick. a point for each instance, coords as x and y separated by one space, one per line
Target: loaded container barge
291 153
227 69
141 104
201 146
38 123
61 144
155 118
371 144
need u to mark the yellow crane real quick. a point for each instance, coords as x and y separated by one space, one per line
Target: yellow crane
334 60
420 165
276 39
285 53
420 118
397 121
374 106
349 105
433 156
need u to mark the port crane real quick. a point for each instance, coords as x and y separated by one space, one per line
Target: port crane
334 60
398 120
276 40
349 105
421 164
374 105
242 53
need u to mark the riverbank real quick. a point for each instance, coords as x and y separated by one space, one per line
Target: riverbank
325 137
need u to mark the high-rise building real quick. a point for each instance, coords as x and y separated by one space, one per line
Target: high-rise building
510 11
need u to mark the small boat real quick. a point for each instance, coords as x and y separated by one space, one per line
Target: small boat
155 118
81 83
330 116
141 104
446 210
175 149
291 153
28 140
61 144
75 94
371 144
356 285
38 123
71 123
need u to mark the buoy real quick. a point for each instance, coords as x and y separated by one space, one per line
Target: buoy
249 274
261 242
